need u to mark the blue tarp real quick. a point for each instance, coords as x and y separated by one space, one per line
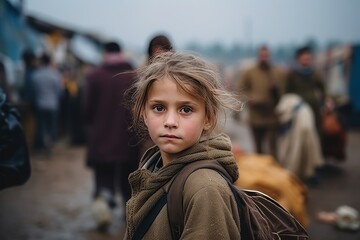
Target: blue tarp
15 34
12 31
354 83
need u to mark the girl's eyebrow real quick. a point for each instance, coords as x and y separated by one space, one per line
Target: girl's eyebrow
155 101
178 102
187 103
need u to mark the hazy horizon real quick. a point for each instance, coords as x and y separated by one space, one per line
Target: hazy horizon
227 22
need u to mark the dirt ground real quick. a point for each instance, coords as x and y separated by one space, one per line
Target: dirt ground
55 203
338 186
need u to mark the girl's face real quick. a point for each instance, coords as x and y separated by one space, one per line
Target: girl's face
175 119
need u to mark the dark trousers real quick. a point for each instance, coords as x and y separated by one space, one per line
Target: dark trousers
46 126
114 178
262 133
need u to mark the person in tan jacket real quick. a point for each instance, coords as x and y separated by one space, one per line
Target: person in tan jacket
176 101
261 85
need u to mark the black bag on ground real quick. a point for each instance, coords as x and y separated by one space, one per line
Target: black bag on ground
14 156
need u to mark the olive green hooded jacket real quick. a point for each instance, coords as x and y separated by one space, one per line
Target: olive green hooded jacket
209 205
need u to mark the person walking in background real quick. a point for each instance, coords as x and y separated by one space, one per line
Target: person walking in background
47 82
27 93
304 81
157 45
261 84
112 150
305 85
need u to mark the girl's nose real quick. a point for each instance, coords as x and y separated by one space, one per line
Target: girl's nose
171 120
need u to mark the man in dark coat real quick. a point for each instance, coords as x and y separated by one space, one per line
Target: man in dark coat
304 81
112 149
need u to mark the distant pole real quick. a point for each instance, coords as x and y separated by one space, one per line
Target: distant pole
248 32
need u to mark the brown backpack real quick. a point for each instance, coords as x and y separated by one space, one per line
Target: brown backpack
260 216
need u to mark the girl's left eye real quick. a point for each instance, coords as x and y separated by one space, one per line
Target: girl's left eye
186 110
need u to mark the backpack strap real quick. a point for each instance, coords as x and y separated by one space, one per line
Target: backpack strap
150 217
175 194
174 207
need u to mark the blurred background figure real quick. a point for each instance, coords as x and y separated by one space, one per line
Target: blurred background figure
27 93
300 149
338 107
157 45
112 151
304 81
308 86
333 132
261 84
72 106
48 89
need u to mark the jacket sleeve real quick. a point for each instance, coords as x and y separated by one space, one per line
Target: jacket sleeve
244 84
210 210
290 83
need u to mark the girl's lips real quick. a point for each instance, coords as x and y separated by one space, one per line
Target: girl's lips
170 136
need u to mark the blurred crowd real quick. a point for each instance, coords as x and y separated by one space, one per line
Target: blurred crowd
52 100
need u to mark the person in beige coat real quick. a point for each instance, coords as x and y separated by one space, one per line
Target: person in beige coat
261 85
176 101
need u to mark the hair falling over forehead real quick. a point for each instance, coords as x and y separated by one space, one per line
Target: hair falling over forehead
193 75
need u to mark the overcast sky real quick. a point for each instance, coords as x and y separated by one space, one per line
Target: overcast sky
273 22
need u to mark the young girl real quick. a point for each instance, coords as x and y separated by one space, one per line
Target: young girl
178 99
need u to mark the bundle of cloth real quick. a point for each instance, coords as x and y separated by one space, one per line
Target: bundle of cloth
298 140
264 174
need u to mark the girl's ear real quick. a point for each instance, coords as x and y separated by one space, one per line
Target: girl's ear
208 124
145 118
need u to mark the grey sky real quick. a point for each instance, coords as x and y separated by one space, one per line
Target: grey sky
207 21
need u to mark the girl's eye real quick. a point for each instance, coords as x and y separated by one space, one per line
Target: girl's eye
186 110
158 108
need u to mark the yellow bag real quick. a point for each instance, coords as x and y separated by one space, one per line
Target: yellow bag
264 174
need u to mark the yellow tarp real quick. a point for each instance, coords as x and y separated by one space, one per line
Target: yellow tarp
264 174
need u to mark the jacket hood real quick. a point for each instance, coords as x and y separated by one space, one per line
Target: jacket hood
148 186
217 148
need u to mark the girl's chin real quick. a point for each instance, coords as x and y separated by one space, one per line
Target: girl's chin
170 151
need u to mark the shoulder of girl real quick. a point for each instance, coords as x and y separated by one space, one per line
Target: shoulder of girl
204 178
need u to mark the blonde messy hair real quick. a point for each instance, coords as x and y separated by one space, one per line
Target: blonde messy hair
193 75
